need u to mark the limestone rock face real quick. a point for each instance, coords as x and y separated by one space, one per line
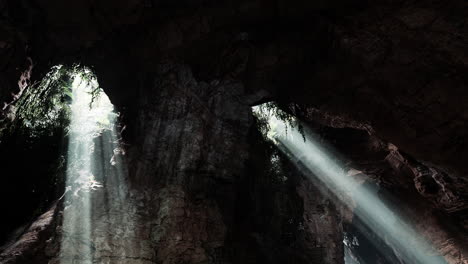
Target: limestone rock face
193 139
191 132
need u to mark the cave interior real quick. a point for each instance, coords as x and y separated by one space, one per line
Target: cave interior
228 132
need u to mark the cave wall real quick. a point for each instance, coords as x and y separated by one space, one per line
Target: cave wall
185 75
421 194
401 70
197 191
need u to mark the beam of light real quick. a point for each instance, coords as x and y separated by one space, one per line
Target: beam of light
305 151
95 174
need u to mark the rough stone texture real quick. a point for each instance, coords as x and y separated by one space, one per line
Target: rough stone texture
402 71
430 199
191 128
323 223
120 231
170 214
193 139
31 243
393 68
281 217
185 232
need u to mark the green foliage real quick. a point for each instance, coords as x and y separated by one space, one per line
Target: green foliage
43 108
263 112
88 76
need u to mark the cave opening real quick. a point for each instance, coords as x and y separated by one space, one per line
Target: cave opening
378 232
69 130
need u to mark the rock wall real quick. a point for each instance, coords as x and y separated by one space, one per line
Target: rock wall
426 197
191 151
184 76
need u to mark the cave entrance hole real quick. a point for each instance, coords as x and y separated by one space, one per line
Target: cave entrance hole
325 170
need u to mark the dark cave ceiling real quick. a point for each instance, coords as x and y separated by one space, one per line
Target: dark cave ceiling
398 66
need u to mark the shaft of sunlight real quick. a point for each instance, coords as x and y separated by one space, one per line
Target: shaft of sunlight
306 152
92 114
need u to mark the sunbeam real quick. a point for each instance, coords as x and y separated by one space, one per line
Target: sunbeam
93 168
304 149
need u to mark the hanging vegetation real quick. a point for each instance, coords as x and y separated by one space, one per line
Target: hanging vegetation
43 108
263 112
